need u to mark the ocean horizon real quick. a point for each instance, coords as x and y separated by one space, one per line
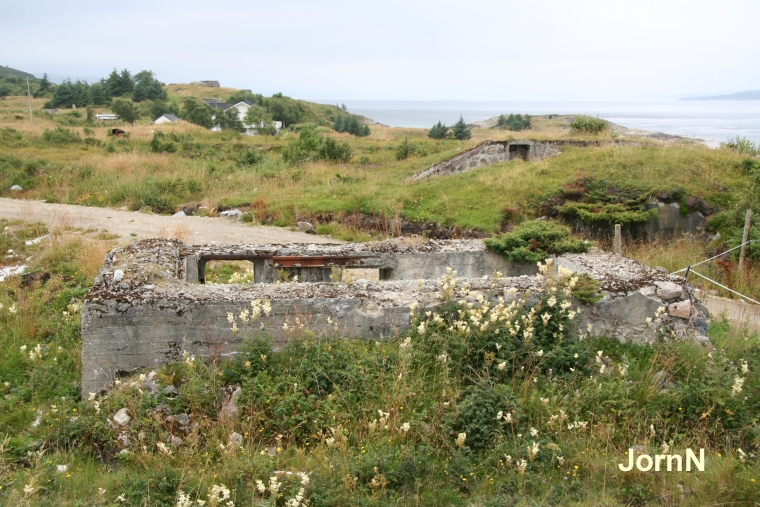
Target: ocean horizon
713 121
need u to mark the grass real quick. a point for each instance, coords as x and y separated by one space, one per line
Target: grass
313 408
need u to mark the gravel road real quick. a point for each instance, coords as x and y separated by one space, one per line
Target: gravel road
132 226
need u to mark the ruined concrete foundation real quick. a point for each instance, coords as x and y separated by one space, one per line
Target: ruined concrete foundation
149 304
493 152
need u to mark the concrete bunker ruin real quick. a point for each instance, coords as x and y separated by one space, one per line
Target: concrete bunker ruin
149 305
493 152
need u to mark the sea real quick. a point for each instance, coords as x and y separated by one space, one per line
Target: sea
712 121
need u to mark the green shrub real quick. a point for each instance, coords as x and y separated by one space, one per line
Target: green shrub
61 136
332 151
251 157
588 125
586 290
405 150
514 122
535 240
438 131
475 413
742 145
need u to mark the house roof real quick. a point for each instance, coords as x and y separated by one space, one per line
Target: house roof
169 116
246 102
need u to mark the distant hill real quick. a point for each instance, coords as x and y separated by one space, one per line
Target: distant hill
7 71
748 95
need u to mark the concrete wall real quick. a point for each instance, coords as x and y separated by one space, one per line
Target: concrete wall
492 152
142 312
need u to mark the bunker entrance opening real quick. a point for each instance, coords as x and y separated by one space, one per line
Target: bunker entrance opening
520 151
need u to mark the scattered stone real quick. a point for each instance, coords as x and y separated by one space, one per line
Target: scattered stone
162 409
124 452
123 439
35 241
118 275
701 324
182 419
16 188
661 380
232 213
234 442
669 290
171 391
175 441
304 226
124 286
681 309
230 408
272 451
37 418
180 213
122 417
61 469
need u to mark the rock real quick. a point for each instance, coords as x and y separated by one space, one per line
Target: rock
162 409
311 231
234 441
180 213
124 452
61 469
681 309
171 391
122 417
123 439
304 226
175 441
648 291
118 275
230 408
182 419
661 380
16 188
669 290
232 213
701 324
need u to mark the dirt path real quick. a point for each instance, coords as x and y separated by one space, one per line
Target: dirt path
131 225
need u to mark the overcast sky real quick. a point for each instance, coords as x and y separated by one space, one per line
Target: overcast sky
417 50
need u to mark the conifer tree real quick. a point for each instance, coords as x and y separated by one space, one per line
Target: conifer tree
461 130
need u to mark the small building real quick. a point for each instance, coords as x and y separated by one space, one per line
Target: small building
210 84
107 116
166 118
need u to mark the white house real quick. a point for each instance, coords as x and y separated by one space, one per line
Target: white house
107 116
242 108
166 118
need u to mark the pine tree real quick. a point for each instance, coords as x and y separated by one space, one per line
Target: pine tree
438 131
461 130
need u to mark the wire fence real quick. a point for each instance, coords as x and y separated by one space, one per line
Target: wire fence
690 269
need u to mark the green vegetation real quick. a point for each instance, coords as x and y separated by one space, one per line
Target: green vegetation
742 145
461 131
445 414
352 124
514 122
310 145
588 125
535 240
126 110
438 131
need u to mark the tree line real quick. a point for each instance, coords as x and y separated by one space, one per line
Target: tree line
459 131
140 87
